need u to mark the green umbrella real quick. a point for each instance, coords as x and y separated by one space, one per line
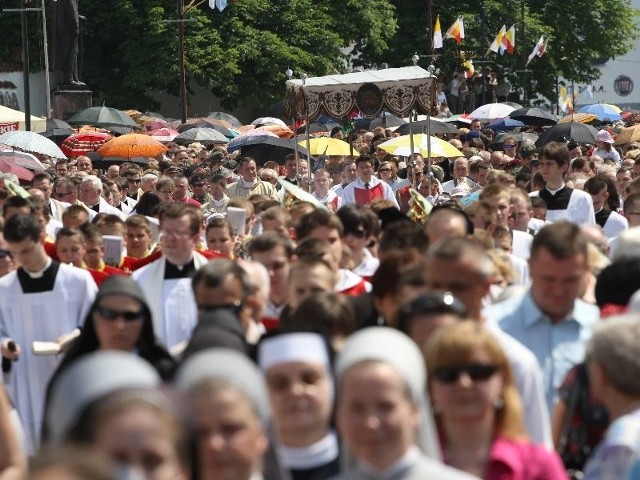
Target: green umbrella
102 117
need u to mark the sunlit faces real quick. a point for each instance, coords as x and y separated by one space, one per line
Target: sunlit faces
219 239
29 254
93 253
71 250
551 171
143 438
375 415
276 263
138 241
181 188
89 194
118 322
333 237
249 171
83 164
44 185
305 280
473 395
365 171
177 239
556 282
231 440
501 206
301 398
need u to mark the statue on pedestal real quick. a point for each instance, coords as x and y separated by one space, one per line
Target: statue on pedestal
66 33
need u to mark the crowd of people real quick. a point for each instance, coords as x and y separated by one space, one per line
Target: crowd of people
408 318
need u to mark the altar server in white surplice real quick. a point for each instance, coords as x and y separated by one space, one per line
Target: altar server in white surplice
41 301
166 282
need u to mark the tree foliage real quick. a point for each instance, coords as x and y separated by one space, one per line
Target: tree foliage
241 54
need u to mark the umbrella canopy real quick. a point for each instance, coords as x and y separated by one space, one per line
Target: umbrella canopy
421 127
31 142
268 121
327 146
385 120
505 124
156 124
132 145
498 140
23 159
227 117
491 111
164 134
58 135
56 123
205 136
402 146
318 127
603 111
628 135
533 116
253 137
102 117
20 172
563 132
263 149
578 117
82 143
205 123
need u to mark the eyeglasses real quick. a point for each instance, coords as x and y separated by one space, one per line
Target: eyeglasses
127 316
384 170
5 253
477 372
133 180
508 145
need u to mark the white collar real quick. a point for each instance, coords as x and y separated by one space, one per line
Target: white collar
40 272
404 463
220 203
553 192
372 183
319 453
247 185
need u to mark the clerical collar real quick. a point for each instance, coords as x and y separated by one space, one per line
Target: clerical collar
40 272
315 455
402 465
95 208
221 202
44 282
553 192
172 271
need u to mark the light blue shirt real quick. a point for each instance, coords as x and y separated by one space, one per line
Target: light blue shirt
557 347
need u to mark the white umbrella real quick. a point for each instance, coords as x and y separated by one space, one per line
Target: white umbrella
268 121
23 159
31 142
491 111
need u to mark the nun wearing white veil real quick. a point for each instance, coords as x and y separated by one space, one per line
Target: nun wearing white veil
229 401
383 414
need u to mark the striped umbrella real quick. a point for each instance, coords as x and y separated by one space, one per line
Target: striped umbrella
82 143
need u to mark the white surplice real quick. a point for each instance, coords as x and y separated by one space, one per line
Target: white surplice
171 301
42 316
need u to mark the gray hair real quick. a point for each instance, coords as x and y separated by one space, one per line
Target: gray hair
95 182
615 347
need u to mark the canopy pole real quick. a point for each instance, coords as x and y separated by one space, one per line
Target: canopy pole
308 137
412 159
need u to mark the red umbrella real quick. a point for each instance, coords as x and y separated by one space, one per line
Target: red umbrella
20 172
82 143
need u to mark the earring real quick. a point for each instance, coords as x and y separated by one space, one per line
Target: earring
499 403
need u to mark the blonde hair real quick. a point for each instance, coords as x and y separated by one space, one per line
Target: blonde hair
453 345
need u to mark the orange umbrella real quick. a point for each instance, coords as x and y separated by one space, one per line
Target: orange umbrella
132 145
579 117
628 135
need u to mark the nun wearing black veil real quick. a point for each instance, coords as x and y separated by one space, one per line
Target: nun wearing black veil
383 413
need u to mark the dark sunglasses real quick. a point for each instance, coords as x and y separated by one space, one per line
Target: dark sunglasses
133 180
5 253
384 170
127 316
477 372
509 145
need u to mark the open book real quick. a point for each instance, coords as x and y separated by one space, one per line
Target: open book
54 348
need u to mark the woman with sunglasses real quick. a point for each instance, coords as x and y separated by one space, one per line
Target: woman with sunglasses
387 172
478 409
120 319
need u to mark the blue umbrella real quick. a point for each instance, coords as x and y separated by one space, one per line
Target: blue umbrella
505 124
603 111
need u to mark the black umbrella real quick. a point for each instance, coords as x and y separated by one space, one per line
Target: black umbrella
56 123
102 117
204 124
57 135
564 132
102 163
533 116
421 127
263 149
227 117
205 136
385 120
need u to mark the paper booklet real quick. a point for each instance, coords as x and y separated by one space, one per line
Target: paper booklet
54 348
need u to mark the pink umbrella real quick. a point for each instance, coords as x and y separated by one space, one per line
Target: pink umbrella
164 134
156 125
256 132
20 172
